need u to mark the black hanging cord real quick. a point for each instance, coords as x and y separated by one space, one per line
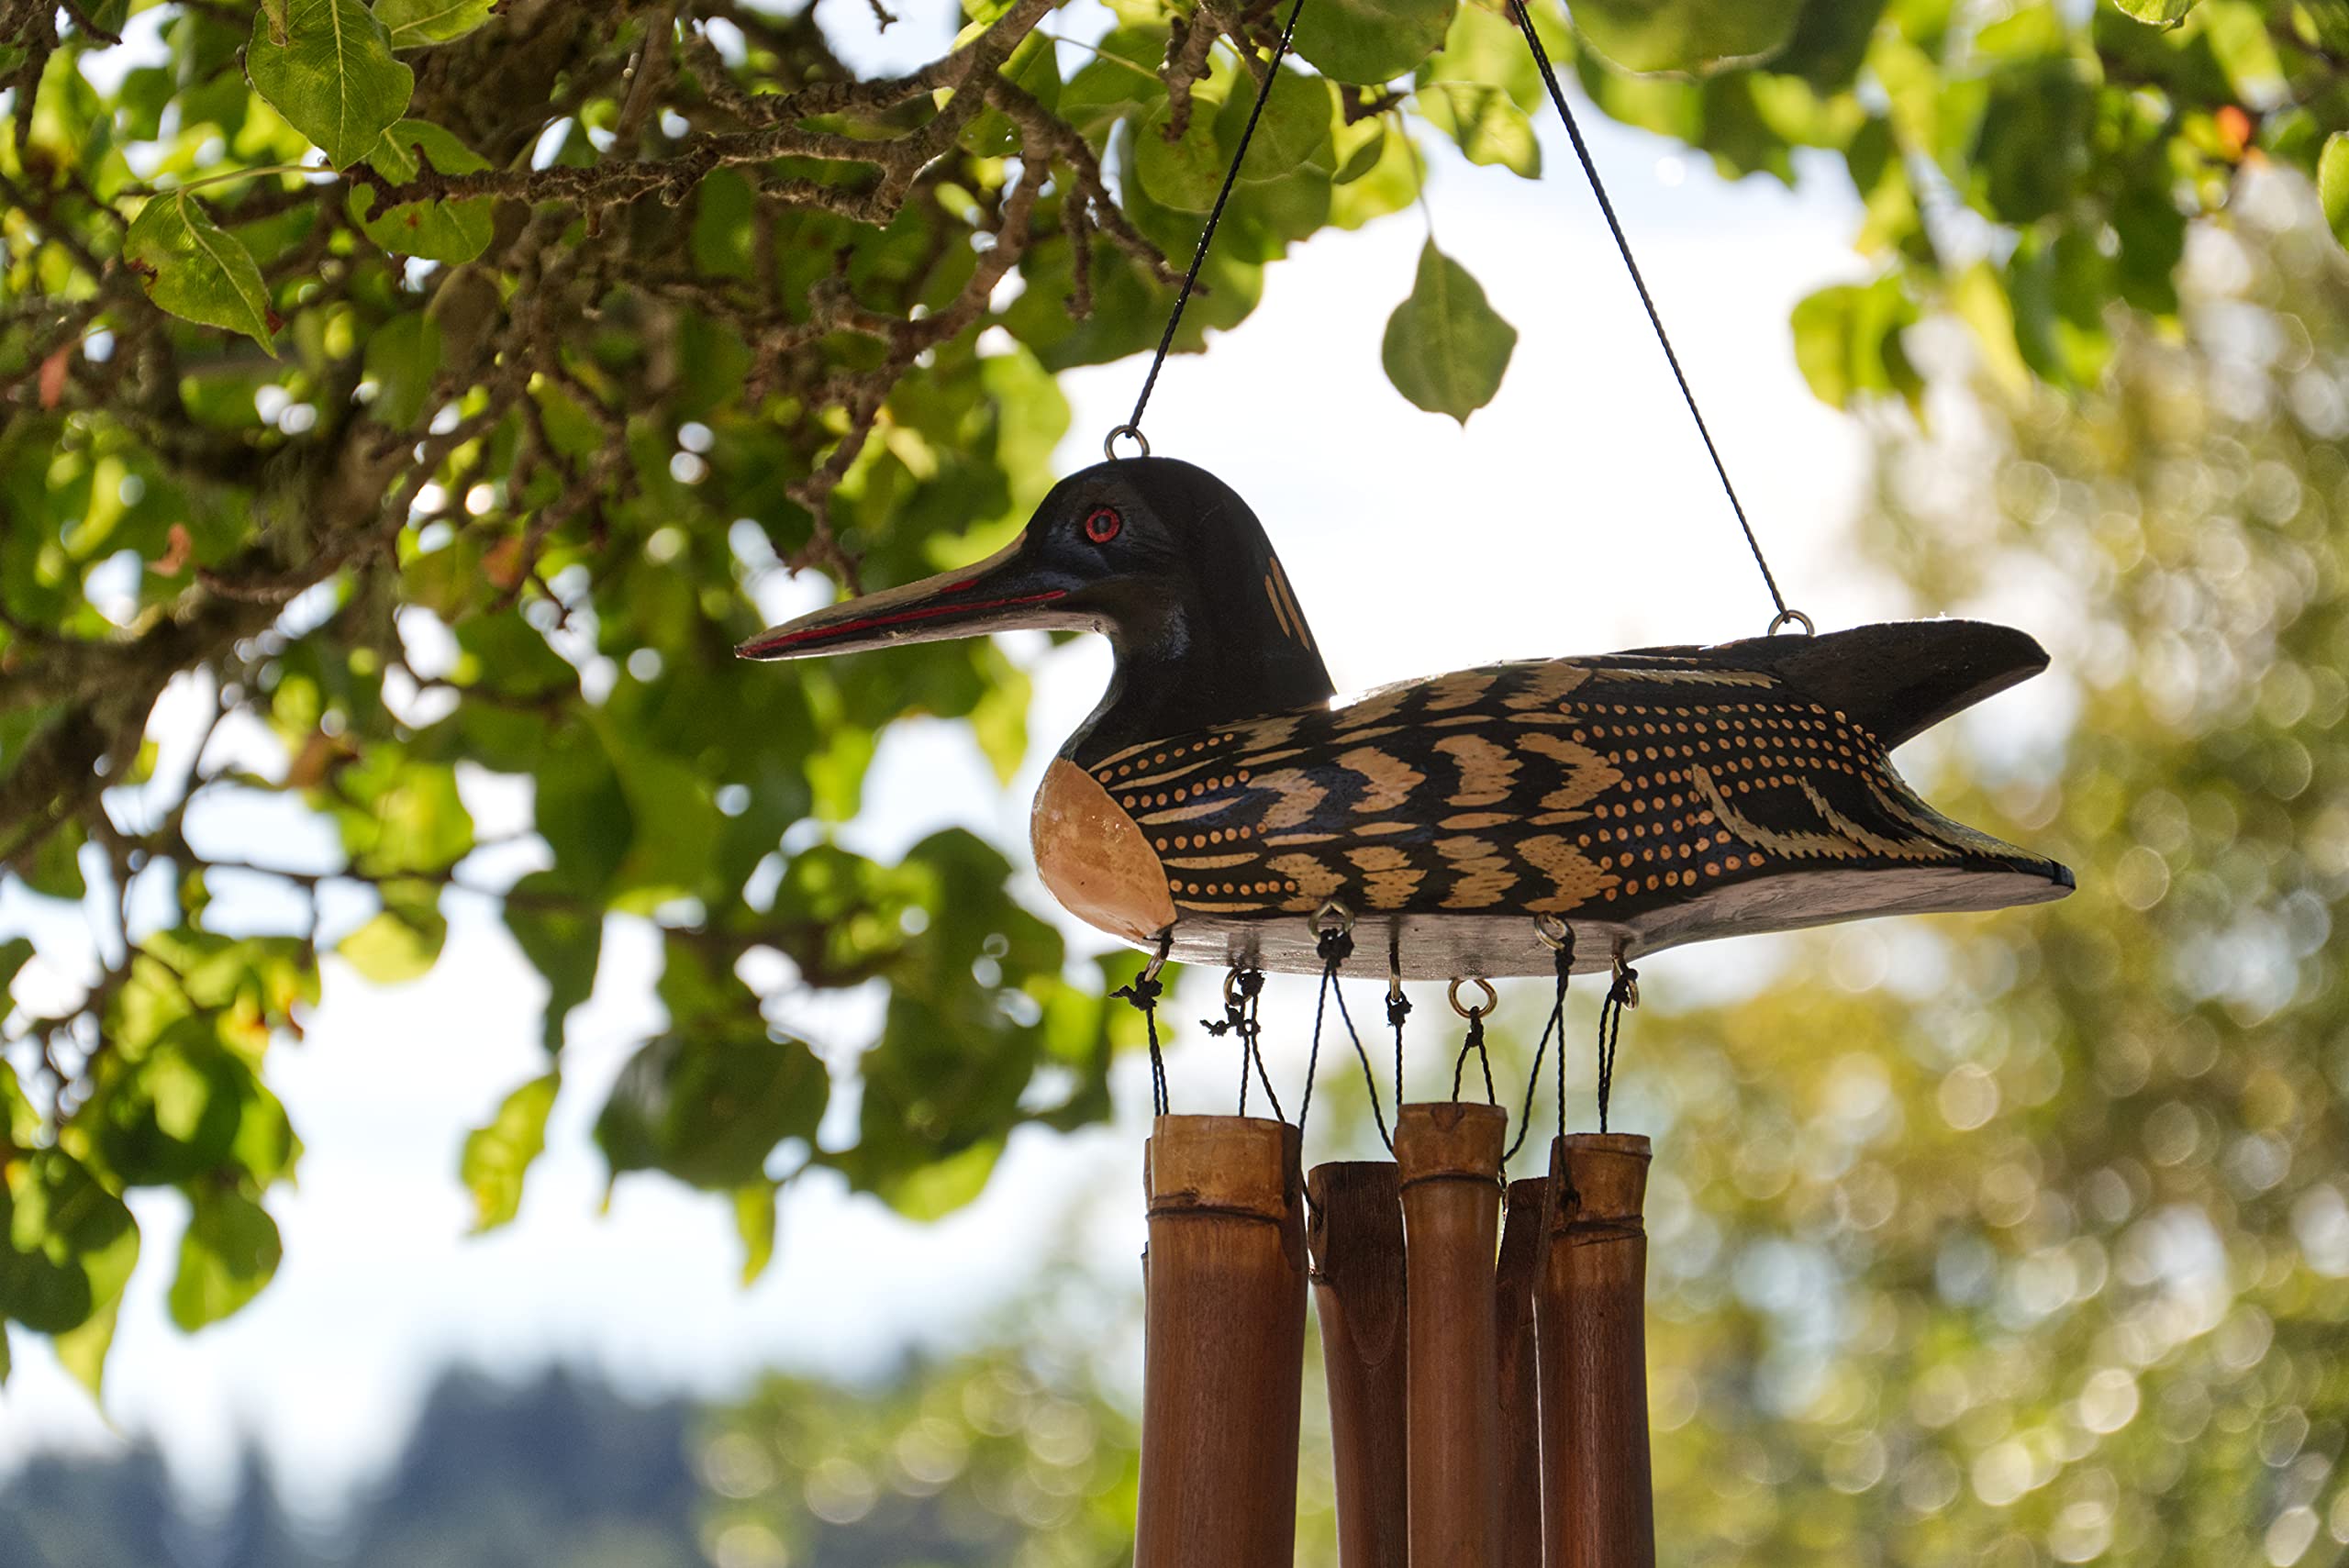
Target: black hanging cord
1475 1042
1240 1017
1564 957
1398 1007
1143 994
1335 946
1599 189
1623 994
1206 236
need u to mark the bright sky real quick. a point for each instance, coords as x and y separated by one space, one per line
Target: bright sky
1576 514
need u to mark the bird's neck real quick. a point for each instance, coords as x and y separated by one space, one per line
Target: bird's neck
1191 661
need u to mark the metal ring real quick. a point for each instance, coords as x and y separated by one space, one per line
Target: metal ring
1553 932
1492 997
1782 618
1231 980
1158 960
1320 924
1109 443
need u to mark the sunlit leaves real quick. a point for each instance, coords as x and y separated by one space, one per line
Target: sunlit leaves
2332 184
411 23
1445 347
497 1156
448 232
402 940
68 1242
1847 342
1487 126
228 1253
193 269
1685 34
327 66
1370 40
709 1109
2158 13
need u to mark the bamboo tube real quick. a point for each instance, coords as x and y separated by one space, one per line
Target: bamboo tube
1450 1160
1591 1324
1223 1345
1520 1417
1355 1232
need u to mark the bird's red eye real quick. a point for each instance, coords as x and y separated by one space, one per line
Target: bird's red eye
1102 523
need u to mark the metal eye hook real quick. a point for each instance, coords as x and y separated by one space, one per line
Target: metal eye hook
1109 443
1492 997
1331 917
1158 960
1782 618
1553 932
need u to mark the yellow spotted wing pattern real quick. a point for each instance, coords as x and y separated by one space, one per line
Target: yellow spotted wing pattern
1602 787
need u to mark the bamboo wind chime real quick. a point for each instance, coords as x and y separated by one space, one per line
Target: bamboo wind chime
1485 1340
1485 1347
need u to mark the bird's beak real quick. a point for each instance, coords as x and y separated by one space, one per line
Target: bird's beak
999 593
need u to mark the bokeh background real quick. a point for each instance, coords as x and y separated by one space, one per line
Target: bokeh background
2014 1239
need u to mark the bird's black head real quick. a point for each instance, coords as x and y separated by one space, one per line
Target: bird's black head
1161 556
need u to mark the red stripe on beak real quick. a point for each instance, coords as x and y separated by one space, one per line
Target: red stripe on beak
758 648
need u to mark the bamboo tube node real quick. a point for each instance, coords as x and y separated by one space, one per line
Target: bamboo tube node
1449 1161
1223 1345
1590 1325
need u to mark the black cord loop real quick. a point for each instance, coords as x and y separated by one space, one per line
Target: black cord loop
1143 992
1623 245
1562 955
1335 945
1623 994
1206 236
1241 1016
1398 1007
1475 1042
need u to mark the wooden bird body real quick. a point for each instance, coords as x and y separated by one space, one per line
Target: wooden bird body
1220 799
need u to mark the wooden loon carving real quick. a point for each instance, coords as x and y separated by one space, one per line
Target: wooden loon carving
1220 796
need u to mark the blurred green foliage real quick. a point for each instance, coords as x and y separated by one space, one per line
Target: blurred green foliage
365 448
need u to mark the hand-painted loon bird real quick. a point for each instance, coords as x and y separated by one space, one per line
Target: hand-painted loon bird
1218 797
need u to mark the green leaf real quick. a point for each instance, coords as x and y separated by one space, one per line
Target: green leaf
449 232
1371 42
411 24
403 356
230 1250
1445 349
196 270
14 954
402 941
564 943
170 1113
1488 126
1693 35
2332 184
66 1243
2156 13
754 1222
709 1109
331 75
497 1156
1184 173
1847 341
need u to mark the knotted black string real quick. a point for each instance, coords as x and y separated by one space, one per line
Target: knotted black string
1143 994
1624 993
1475 1042
1607 210
1242 1018
1398 1007
1564 956
1335 946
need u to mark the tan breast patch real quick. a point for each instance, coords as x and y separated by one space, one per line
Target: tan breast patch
1094 859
